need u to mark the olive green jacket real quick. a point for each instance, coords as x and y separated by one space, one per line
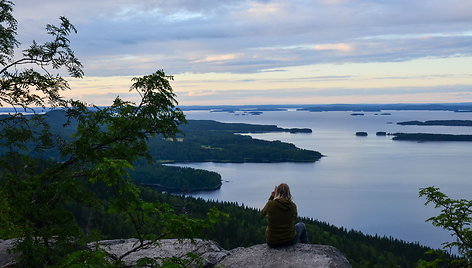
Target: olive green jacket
281 214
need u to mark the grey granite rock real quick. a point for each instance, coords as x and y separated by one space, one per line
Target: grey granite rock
6 259
300 255
210 252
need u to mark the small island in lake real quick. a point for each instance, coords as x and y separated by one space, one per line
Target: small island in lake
467 123
430 137
361 134
381 133
253 113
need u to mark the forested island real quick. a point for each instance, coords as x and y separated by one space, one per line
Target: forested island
430 137
461 123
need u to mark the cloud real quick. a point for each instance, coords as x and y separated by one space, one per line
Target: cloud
332 95
216 58
176 35
131 38
337 47
333 2
268 10
106 98
199 93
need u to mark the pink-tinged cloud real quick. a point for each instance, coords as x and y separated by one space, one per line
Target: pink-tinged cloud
199 93
250 40
216 58
259 10
333 2
343 47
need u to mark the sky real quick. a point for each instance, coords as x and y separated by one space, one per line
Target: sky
237 52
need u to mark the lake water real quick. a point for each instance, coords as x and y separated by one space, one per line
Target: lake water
368 183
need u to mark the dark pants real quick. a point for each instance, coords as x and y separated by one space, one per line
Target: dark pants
301 236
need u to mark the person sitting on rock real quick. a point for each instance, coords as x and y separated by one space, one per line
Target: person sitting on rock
281 213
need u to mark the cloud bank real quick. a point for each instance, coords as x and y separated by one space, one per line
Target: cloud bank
130 38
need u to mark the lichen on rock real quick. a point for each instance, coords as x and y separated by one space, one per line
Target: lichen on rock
299 255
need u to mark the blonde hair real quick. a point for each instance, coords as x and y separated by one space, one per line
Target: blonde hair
283 191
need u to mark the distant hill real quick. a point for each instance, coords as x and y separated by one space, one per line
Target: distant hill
456 107
249 109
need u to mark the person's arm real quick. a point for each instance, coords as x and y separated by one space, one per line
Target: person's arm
295 213
266 207
272 195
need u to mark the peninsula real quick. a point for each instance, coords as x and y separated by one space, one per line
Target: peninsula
211 141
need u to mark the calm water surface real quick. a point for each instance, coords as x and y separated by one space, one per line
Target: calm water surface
365 183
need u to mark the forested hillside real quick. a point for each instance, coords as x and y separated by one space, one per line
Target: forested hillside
245 226
197 141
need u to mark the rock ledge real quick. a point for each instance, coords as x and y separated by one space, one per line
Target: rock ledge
300 255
